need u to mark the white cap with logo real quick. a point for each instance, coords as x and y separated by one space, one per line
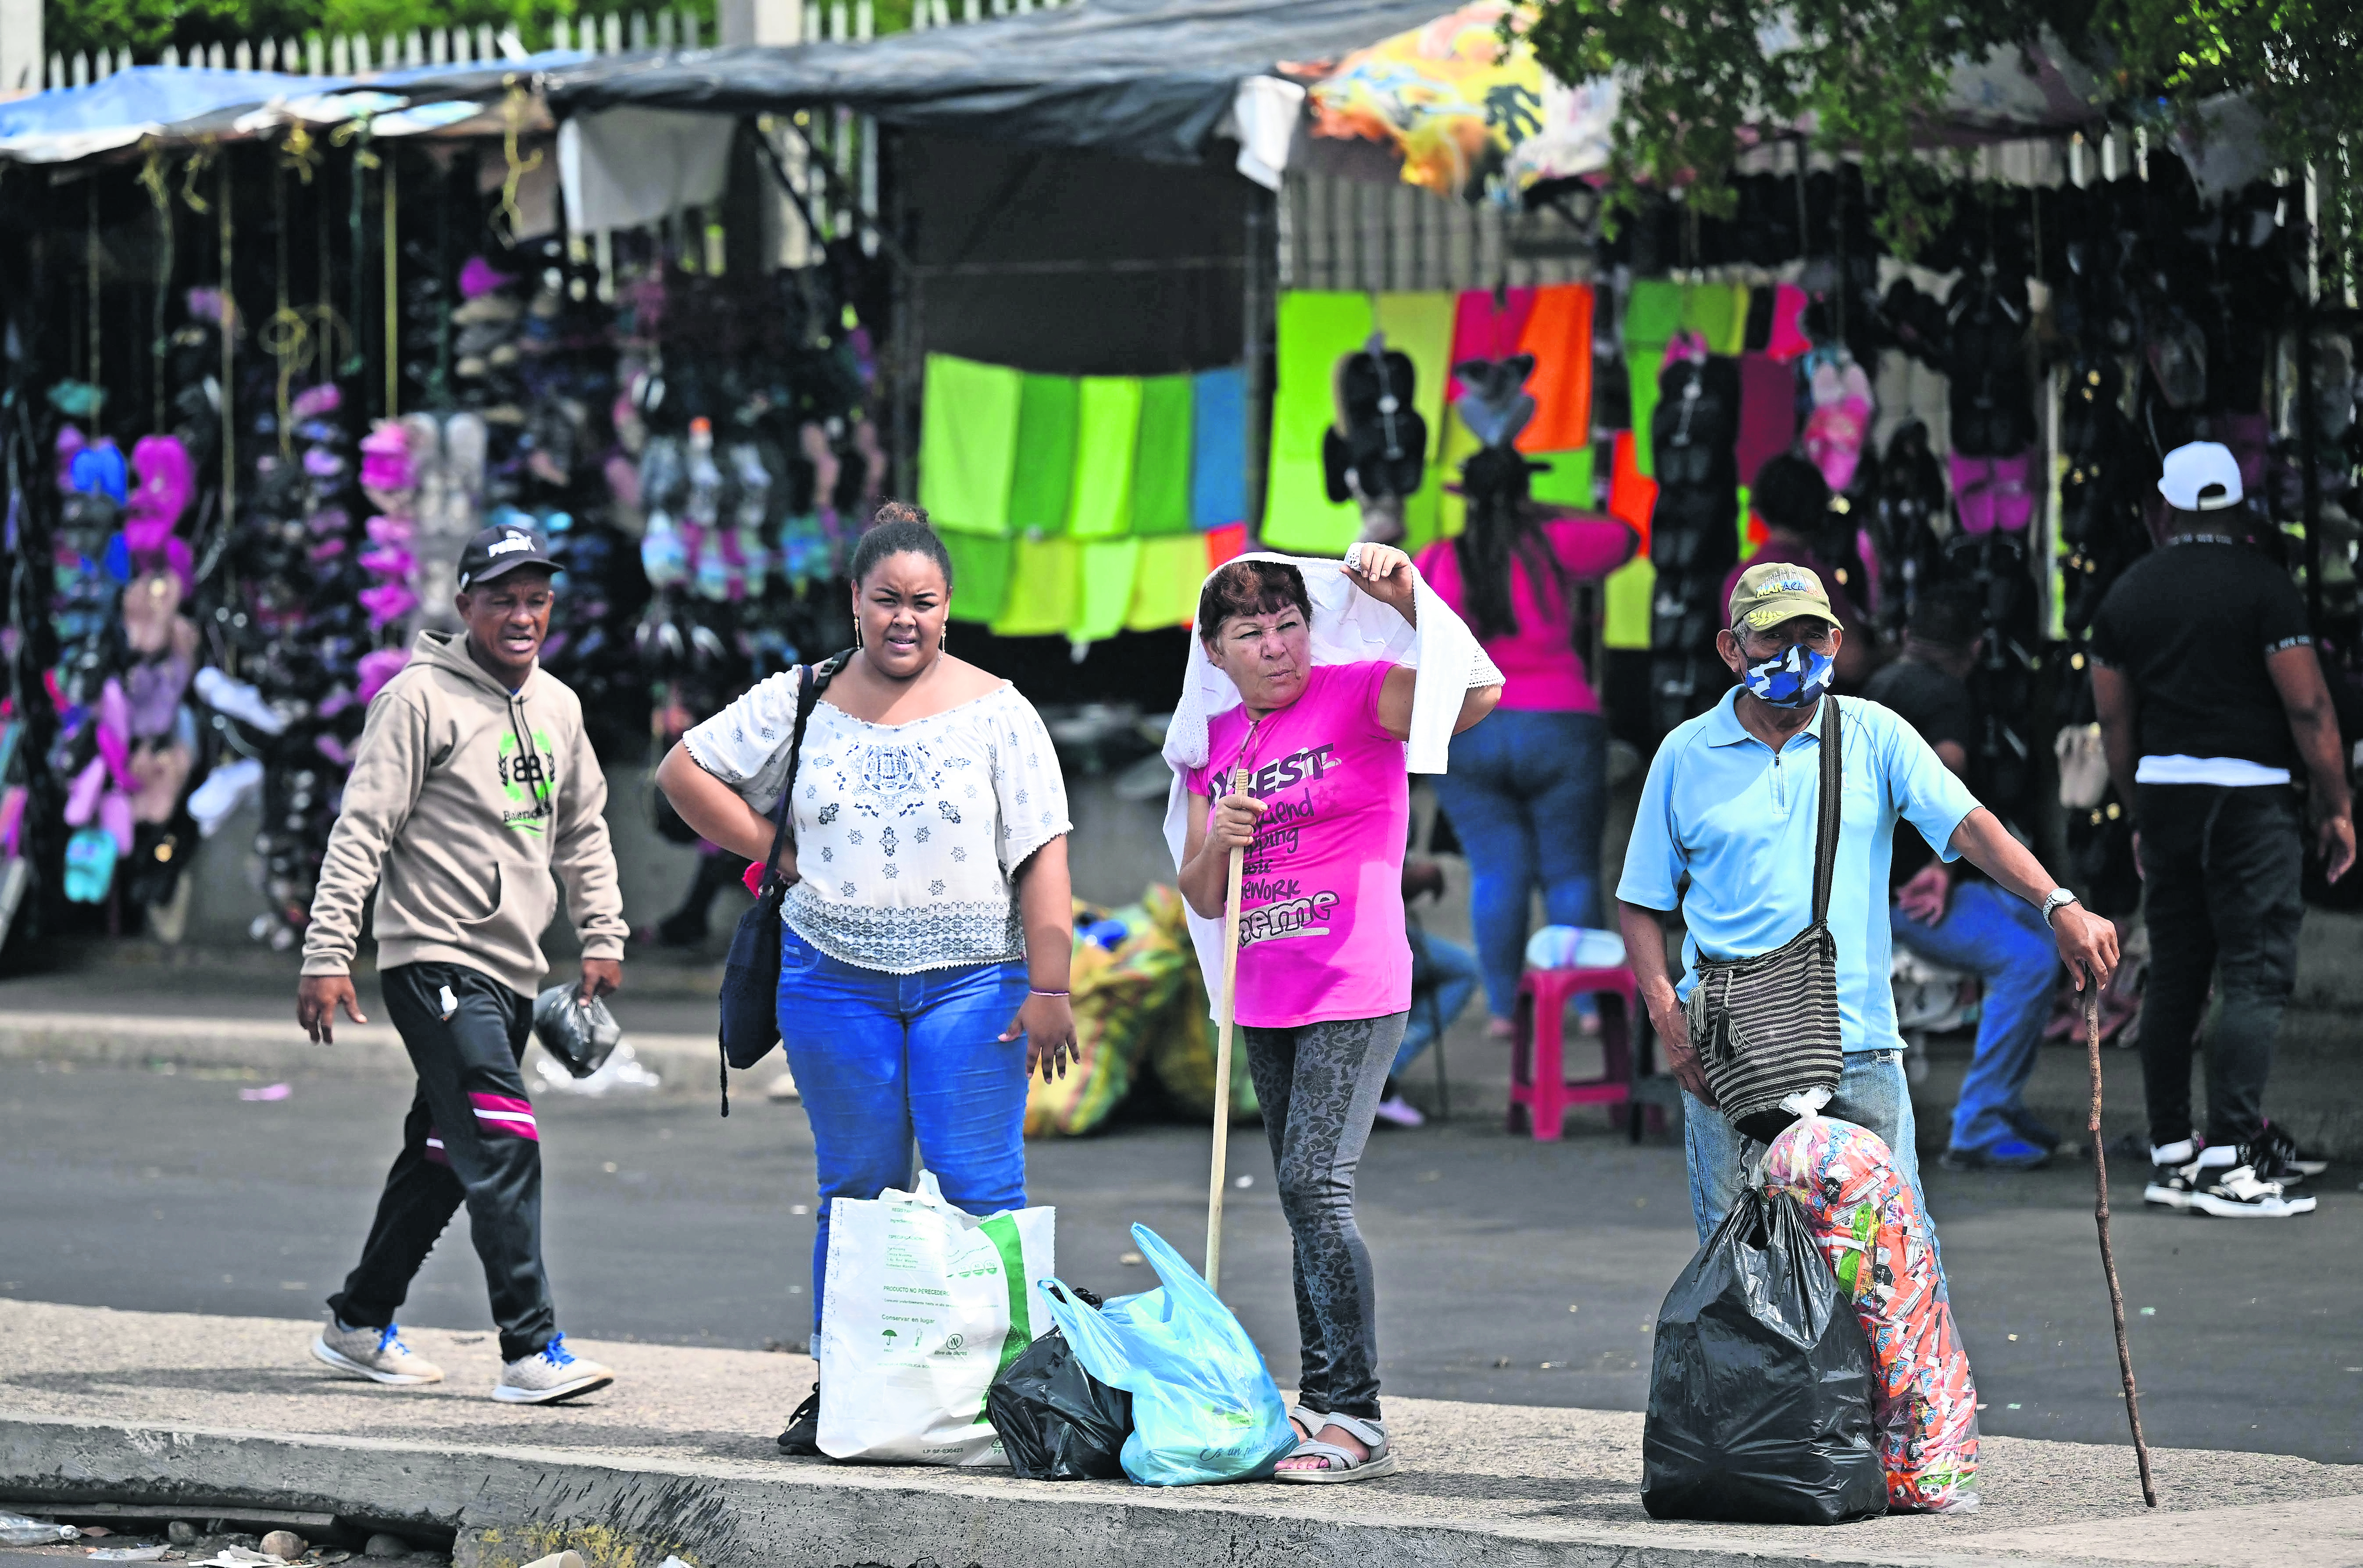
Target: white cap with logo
2201 477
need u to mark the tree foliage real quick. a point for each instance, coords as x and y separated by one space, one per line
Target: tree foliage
1704 79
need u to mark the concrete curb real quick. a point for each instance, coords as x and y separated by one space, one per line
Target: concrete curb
372 1051
506 1504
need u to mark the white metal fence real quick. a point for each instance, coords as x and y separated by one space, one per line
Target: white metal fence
356 54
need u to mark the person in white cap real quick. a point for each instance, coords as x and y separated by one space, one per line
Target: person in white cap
2212 707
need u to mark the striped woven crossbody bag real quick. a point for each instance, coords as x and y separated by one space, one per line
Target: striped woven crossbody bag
1766 1027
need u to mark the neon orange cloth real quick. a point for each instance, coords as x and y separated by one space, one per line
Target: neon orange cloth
1632 494
1559 334
1226 543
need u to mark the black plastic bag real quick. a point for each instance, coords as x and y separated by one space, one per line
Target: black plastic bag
1056 1421
1759 1395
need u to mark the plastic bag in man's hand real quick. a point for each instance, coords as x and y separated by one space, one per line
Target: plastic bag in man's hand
1203 1407
1759 1395
581 1034
1055 1421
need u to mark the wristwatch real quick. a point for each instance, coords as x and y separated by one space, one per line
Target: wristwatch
2059 898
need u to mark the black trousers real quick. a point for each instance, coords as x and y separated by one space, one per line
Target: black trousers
469 1137
2221 867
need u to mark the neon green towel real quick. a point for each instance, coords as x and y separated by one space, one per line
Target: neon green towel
1312 329
1626 592
1641 364
1044 477
1161 457
1043 594
1104 583
1718 313
1421 326
1165 585
1653 313
968 444
1459 445
1108 434
980 575
1568 483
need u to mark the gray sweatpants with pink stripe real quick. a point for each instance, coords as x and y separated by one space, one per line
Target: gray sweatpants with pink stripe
469 1137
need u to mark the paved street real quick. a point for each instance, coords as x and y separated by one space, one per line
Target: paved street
1510 1272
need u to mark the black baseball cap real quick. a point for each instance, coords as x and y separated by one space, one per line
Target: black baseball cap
502 549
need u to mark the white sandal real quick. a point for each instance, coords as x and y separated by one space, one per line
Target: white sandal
1342 1463
1307 1423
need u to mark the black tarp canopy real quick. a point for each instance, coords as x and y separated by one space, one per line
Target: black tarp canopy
1149 78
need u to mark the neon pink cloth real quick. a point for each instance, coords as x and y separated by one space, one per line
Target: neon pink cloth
1484 330
1540 668
1788 339
1321 915
1882 1248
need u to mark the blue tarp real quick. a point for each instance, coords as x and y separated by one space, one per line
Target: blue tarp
152 100
150 96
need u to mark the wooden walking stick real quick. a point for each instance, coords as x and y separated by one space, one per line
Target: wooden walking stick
2108 1254
1226 1012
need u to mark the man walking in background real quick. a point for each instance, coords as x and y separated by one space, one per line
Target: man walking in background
2210 699
472 786
1950 915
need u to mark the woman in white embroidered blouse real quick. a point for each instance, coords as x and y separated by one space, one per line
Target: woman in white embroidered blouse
923 961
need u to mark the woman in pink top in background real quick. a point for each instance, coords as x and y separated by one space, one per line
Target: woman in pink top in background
1307 777
1528 792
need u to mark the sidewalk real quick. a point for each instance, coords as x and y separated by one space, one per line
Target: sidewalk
678 1456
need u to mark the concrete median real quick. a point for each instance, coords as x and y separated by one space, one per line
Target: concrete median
216 1412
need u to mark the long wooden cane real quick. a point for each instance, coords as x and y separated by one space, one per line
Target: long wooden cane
2108 1254
1225 1012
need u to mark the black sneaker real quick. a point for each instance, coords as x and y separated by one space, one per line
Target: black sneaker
2239 1193
2279 1159
802 1436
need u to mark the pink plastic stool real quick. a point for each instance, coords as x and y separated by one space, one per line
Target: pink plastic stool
1539 1092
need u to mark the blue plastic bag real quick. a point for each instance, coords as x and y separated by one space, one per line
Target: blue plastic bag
1204 1405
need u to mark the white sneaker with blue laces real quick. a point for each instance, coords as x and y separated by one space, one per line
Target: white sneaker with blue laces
550 1374
377 1354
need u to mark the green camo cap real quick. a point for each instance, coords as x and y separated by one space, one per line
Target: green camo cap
1772 591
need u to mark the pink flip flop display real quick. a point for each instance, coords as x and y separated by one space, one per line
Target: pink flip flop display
1880 1243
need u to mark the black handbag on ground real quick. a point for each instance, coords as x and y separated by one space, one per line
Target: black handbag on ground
1766 1027
751 977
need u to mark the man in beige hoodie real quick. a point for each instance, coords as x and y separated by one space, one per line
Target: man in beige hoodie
471 787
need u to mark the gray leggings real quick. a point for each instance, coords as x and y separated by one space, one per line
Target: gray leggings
1320 1085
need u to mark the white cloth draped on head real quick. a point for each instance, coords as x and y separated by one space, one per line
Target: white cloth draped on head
1348 627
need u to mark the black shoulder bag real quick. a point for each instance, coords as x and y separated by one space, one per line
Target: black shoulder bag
1766 1027
751 977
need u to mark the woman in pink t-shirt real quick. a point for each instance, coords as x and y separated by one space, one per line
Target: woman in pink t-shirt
1306 776
1528 793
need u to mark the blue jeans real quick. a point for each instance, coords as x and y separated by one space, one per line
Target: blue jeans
879 1058
2001 940
1872 1092
1443 978
1528 796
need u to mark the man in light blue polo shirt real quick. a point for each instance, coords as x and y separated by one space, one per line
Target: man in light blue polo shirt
1725 834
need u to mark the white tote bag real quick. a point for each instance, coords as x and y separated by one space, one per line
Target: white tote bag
925 1305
